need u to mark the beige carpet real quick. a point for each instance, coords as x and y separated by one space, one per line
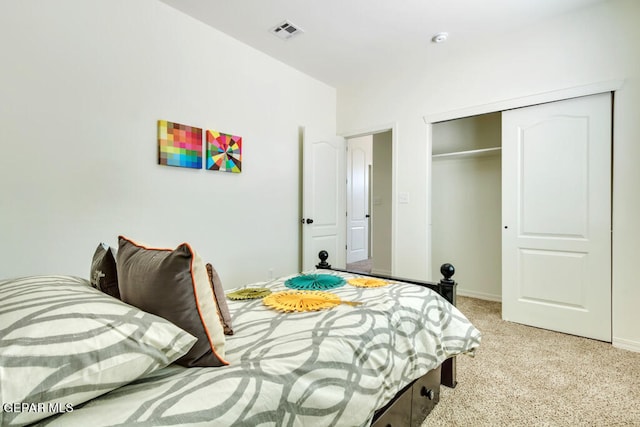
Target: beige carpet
524 376
363 266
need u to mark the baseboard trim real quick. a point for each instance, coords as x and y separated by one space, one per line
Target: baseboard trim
479 295
381 272
626 344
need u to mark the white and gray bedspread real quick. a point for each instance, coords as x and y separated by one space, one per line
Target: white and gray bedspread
333 367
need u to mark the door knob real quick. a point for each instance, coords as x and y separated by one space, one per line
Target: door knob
309 221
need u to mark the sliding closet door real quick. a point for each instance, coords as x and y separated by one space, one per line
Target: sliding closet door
556 214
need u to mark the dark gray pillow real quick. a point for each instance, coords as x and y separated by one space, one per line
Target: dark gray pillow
173 284
104 274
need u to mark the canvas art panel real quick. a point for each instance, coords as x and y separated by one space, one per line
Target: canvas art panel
179 145
224 152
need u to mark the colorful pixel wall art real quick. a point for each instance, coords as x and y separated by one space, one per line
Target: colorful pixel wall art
224 152
179 145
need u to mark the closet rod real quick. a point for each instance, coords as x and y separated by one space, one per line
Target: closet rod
469 153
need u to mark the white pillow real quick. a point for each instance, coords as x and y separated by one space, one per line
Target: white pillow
63 342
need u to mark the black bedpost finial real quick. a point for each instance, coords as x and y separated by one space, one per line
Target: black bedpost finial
323 255
447 285
447 271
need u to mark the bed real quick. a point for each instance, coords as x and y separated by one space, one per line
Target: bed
374 358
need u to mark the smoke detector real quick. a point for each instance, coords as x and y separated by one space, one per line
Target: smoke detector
286 30
440 37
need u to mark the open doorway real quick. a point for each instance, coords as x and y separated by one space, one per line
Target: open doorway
370 203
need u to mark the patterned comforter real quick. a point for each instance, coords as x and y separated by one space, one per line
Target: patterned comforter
333 367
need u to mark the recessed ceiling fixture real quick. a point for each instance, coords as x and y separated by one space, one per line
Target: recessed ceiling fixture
286 30
440 37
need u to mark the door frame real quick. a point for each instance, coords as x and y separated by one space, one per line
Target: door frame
493 107
393 128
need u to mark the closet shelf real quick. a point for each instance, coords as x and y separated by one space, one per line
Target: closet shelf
470 153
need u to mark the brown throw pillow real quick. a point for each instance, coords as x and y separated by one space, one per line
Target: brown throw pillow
221 299
174 284
104 274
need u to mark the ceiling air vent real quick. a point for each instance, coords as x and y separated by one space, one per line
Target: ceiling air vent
286 30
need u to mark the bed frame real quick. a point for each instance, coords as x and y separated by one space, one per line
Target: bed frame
412 404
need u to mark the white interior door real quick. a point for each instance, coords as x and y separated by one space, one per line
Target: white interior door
556 187
359 160
323 199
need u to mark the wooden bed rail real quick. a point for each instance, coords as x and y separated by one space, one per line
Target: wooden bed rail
445 287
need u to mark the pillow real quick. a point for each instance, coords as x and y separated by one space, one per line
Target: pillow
103 274
64 343
174 284
221 299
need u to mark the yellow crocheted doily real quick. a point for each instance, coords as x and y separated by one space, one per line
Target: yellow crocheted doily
289 301
367 282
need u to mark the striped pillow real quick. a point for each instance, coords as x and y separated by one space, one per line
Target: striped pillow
63 342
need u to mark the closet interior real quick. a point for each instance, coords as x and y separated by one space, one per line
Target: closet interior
466 202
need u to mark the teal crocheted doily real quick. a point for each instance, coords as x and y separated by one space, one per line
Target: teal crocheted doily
314 282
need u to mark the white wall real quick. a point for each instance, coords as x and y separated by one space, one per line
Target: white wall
82 85
596 44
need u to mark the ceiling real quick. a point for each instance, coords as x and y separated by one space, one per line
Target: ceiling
341 38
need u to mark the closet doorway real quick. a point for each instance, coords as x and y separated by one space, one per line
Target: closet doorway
466 202
369 202
527 205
